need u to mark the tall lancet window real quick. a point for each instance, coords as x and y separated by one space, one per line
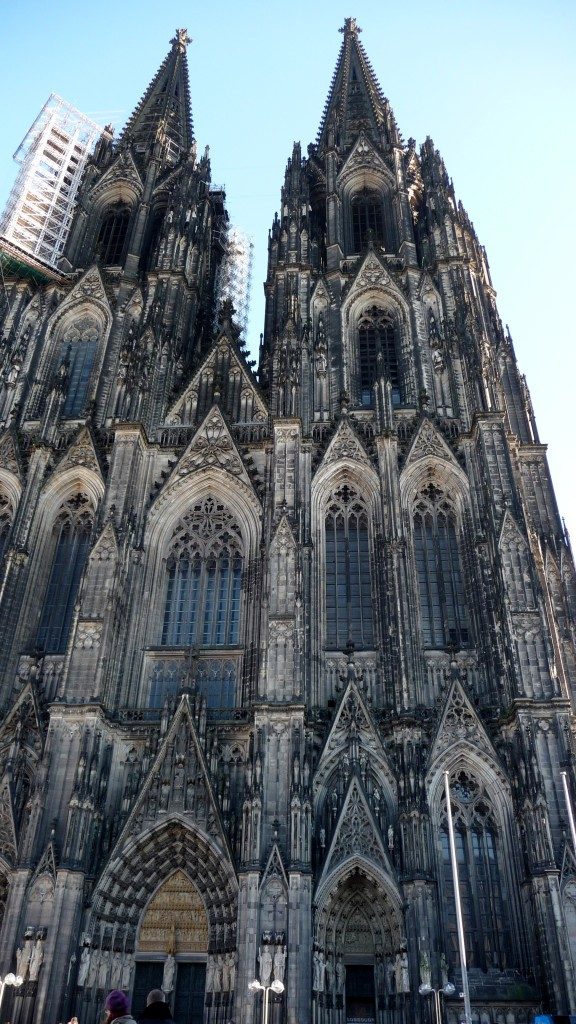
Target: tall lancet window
442 602
367 219
349 616
112 235
481 876
5 524
77 351
71 538
204 584
377 353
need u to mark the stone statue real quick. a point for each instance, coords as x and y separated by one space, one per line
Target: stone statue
265 959
92 968
127 971
401 972
36 960
390 975
22 960
116 970
340 976
425 970
103 969
168 976
329 973
319 971
279 963
84 966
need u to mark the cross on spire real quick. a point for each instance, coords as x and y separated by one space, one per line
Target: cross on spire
350 27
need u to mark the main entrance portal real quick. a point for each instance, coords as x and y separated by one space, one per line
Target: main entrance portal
172 949
360 995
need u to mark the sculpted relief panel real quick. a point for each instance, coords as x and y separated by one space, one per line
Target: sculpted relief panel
175 920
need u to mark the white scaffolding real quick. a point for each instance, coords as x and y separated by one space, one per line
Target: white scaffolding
235 278
52 156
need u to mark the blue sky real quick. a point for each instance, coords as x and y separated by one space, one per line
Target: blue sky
492 81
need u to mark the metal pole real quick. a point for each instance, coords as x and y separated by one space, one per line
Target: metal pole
437 1005
459 922
569 807
266 994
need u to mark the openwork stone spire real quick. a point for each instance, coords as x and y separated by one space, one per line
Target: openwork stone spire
164 112
355 101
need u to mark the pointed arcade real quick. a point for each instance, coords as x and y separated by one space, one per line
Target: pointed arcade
355 102
164 112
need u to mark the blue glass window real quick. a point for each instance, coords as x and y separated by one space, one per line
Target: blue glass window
349 616
77 353
71 545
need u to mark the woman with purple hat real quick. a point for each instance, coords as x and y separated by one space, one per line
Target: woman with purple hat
117 1008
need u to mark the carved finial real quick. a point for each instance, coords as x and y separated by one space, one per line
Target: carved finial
181 40
351 27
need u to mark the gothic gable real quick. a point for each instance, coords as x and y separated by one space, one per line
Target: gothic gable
345 445
459 726
90 288
371 274
106 547
178 784
223 353
283 540
212 447
274 876
8 841
429 443
122 171
353 731
9 454
46 867
363 157
81 452
22 726
356 834
510 533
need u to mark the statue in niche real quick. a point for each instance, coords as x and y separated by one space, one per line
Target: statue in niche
84 967
340 975
279 963
265 960
319 971
168 975
36 960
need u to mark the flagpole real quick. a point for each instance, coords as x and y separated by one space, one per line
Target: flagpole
466 991
569 807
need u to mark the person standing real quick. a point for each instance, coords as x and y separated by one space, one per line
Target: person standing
118 1008
157 1008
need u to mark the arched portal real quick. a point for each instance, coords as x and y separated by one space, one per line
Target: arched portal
172 947
360 965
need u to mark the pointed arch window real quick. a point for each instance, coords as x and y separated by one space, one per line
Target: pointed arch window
349 616
482 879
377 353
5 524
112 235
77 352
367 219
204 569
71 538
441 596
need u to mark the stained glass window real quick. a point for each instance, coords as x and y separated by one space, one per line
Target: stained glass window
377 353
71 536
481 878
442 602
204 571
349 615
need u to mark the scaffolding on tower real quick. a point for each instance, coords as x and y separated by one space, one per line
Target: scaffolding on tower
52 158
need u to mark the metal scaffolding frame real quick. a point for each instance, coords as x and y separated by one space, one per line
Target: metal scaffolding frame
52 158
235 277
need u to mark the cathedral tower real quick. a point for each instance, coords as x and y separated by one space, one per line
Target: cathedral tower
249 623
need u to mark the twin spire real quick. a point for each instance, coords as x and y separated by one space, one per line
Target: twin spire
355 102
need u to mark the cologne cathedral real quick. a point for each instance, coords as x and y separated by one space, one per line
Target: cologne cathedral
250 618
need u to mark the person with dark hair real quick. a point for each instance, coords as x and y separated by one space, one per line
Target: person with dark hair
117 1008
157 1008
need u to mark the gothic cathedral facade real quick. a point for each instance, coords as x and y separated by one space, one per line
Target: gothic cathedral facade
248 622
